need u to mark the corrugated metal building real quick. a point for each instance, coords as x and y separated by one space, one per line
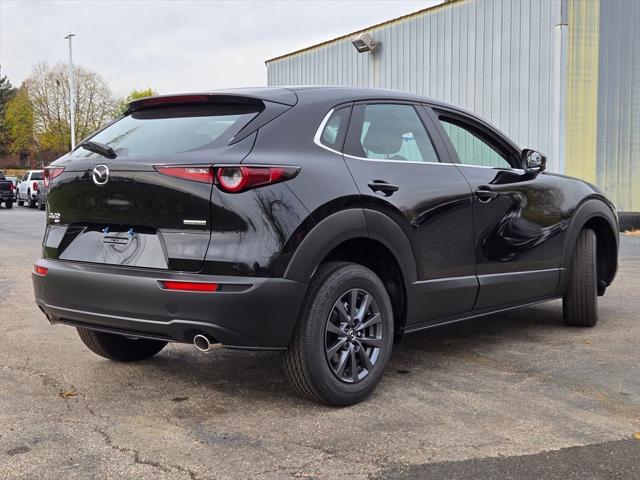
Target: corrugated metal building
560 76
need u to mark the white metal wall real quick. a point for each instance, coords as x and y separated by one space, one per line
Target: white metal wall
501 59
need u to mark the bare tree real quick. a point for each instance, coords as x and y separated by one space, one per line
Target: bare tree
48 89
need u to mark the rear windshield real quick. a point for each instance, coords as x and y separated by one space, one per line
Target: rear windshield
36 175
170 130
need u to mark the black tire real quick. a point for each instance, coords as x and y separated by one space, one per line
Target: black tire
580 302
118 347
308 362
8 204
20 202
40 205
31 203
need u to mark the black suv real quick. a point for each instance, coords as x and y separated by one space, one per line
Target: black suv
325 222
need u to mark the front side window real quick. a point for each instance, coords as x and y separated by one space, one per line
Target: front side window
333 132
471 149
389 132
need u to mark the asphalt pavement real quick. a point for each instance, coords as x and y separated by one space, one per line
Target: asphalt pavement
515 395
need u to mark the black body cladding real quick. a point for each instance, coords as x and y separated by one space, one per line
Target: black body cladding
450 240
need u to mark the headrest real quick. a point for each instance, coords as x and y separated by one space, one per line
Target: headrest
383 137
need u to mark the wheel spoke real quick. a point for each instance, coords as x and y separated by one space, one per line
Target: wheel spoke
364 306
342 311
342 363
376 318
336 346
333 328
364 358
353 311
371 341
354 366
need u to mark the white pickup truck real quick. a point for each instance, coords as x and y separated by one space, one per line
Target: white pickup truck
31 190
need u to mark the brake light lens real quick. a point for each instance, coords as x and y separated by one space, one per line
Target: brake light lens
189 286
38 270
50 173
195 174
241 178
35 186
174 99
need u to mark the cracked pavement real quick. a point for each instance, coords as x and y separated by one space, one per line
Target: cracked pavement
460 398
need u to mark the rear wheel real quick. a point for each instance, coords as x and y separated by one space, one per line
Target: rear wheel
30 200
8 204
118 347
580 302
40 204
344 337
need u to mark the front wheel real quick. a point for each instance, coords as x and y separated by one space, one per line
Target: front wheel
580 302
118 347
343 340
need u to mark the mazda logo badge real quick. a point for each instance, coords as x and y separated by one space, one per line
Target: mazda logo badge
100 175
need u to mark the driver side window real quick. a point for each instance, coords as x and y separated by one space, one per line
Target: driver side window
471 149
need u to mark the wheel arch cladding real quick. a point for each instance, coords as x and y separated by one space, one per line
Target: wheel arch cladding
596 215
348 236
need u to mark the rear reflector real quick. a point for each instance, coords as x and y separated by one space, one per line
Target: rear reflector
195 174
189 286
38 270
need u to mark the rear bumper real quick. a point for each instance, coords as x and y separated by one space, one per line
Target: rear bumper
253 313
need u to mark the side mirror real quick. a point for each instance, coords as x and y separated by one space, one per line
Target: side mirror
533 162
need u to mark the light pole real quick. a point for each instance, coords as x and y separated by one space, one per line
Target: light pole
72 93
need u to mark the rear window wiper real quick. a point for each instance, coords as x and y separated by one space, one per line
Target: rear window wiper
99 148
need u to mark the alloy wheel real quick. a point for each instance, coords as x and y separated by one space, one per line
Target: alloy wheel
353 335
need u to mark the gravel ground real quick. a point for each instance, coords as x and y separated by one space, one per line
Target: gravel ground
506 396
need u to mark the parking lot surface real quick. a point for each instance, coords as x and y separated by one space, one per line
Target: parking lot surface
513 395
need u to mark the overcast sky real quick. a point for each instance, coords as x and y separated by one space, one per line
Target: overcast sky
177 46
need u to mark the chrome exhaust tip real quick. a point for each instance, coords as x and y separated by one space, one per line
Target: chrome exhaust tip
203 343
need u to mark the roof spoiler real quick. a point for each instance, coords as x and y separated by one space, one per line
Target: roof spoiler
244 96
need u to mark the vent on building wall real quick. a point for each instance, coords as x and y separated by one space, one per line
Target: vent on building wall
364 43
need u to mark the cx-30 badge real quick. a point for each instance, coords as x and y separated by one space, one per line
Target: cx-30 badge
100 174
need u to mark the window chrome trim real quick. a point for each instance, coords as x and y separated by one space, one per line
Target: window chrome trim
397 161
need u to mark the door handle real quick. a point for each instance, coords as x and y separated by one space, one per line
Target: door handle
384 187
485 194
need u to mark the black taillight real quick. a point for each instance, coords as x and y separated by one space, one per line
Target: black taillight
235 179
195 174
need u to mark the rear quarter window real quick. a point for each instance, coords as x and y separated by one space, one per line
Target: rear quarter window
171 130
333 132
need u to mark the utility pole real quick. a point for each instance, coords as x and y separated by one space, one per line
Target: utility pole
72 93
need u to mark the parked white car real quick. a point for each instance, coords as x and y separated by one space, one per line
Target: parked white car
31 189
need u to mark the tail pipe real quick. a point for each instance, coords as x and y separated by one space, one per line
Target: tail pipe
204 343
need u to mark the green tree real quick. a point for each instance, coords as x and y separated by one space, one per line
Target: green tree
135 94
6 93
18 118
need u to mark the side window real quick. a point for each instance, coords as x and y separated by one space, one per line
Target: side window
389 132
471 149
25 177
334 130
